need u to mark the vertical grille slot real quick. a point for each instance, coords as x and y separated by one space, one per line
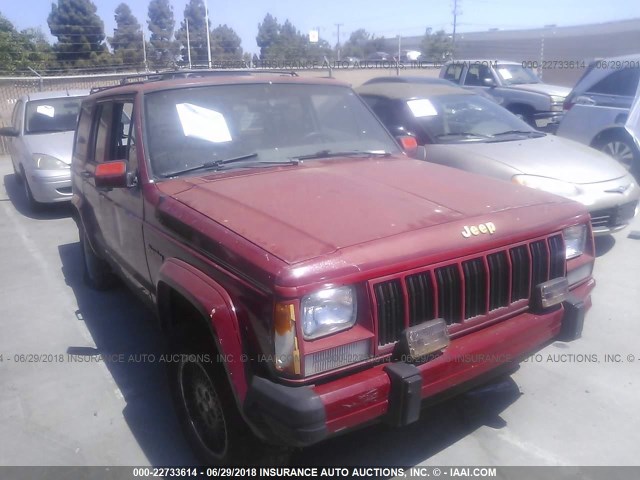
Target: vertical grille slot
449 293
390 311
498 280
557 255
421 298
520 272
539 263
475 288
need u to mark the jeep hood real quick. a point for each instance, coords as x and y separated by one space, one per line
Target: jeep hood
301 212
543 88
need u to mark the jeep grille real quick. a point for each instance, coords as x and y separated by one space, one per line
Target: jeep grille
490 285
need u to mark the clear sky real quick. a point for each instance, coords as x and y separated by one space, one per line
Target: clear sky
383 17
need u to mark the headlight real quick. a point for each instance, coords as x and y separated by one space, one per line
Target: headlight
47 162
328 311
557 103
575 239
557 99
550 185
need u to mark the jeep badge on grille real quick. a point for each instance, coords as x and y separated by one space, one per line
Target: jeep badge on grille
476 230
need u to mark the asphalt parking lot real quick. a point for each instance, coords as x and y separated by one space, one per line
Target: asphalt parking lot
574 404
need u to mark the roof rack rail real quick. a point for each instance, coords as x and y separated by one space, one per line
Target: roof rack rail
196 73
193 73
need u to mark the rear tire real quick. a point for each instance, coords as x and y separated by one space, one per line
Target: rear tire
97 272
207 410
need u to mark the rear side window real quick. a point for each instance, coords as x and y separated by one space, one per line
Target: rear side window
619 82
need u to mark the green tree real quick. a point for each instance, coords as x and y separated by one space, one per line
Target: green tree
38 53
11 48
317 52
20 50
362 43
286 43
436 47
163 48
127 37
80 33
268 33
194 12
225 44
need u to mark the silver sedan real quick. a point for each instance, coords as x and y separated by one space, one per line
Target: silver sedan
41 143
463 130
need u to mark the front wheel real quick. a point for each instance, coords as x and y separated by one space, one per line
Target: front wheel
206 408
32 203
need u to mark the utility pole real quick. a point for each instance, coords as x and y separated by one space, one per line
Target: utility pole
206 21
144 52
188 43
338 25
455 12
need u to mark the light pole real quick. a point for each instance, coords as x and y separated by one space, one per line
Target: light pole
206 21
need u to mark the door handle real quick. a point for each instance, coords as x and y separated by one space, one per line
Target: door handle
85 174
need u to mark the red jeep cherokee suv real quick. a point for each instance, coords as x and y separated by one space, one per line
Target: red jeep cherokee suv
310 276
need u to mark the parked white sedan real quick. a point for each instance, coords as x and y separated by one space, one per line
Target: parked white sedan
41 142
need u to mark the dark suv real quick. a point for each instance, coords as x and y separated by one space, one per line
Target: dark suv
310 276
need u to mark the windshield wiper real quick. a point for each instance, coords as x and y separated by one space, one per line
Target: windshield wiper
220 164
463 134
345 153
518 132
497 137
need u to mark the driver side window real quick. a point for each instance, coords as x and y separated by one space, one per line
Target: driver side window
114 138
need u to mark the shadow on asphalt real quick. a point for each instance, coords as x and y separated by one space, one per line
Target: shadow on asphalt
121 325
16 194
604 244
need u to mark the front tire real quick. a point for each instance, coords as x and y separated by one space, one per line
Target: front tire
32 203
17 173
206 407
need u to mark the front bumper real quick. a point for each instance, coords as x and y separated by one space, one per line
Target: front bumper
49 186
605 221
548 122
394 392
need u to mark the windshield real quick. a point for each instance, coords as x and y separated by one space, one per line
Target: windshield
52 115
462 118
516 75
253 124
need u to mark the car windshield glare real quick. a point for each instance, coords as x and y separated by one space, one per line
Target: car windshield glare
463 118
52 115
195 126
516 75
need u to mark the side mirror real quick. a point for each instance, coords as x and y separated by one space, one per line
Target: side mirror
488 82
8 132
113 175
409 144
